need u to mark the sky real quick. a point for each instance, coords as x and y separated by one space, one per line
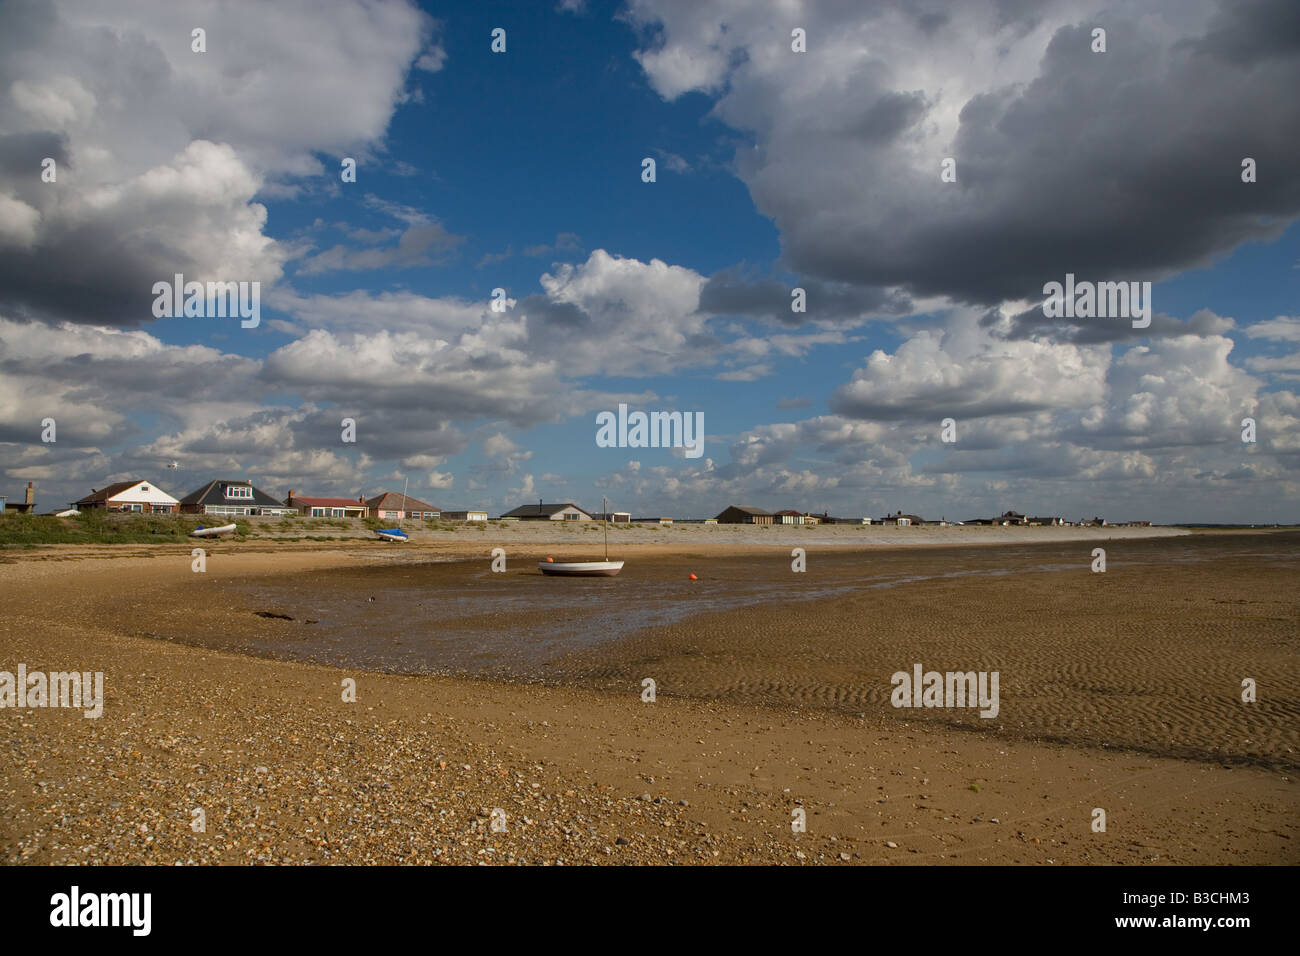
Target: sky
921 171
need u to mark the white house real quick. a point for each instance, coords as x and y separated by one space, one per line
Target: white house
139 496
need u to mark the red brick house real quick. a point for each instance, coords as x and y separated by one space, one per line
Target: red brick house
329 507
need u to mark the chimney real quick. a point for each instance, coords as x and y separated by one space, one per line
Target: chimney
361 499
31 493
289 500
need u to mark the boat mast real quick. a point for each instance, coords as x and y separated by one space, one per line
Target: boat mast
604 513
402 515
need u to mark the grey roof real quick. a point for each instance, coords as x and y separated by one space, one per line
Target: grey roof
540 510
214 493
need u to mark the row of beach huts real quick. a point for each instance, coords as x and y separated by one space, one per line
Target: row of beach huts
240 498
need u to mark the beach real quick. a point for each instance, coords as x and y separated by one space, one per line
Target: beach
479 691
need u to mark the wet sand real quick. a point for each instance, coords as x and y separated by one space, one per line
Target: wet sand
1119 690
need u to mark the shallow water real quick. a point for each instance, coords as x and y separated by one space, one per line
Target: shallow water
456 617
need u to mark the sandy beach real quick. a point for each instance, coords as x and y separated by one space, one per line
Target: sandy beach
477 691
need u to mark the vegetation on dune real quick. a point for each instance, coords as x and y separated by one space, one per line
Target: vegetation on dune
98 527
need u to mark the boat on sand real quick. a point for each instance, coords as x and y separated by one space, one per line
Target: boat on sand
591 569
585 569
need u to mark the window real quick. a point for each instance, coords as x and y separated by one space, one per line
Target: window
337 513
239 491
320 512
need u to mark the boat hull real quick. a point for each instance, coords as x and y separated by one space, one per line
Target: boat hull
212 532
392 534
581 569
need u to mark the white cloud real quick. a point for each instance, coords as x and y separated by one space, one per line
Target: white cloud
1285 328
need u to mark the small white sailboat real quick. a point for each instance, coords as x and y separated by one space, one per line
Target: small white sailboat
585 569
202 532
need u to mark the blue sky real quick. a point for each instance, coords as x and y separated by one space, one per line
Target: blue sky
775 169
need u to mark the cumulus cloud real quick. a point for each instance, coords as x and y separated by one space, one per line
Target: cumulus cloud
847 139
161 151
930 376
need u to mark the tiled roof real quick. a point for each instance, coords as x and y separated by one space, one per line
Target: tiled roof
392 501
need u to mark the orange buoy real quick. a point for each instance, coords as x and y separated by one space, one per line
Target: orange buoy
694 578
550 560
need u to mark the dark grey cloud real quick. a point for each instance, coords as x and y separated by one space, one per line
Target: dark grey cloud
386 434
733 293
1033 324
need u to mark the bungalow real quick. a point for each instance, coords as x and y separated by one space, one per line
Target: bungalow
902 520
135 495
1012 517
26 507
464 516
329 507
232 498
390 505
542 512
744 514
787 517
613 517
1054 521
826 518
